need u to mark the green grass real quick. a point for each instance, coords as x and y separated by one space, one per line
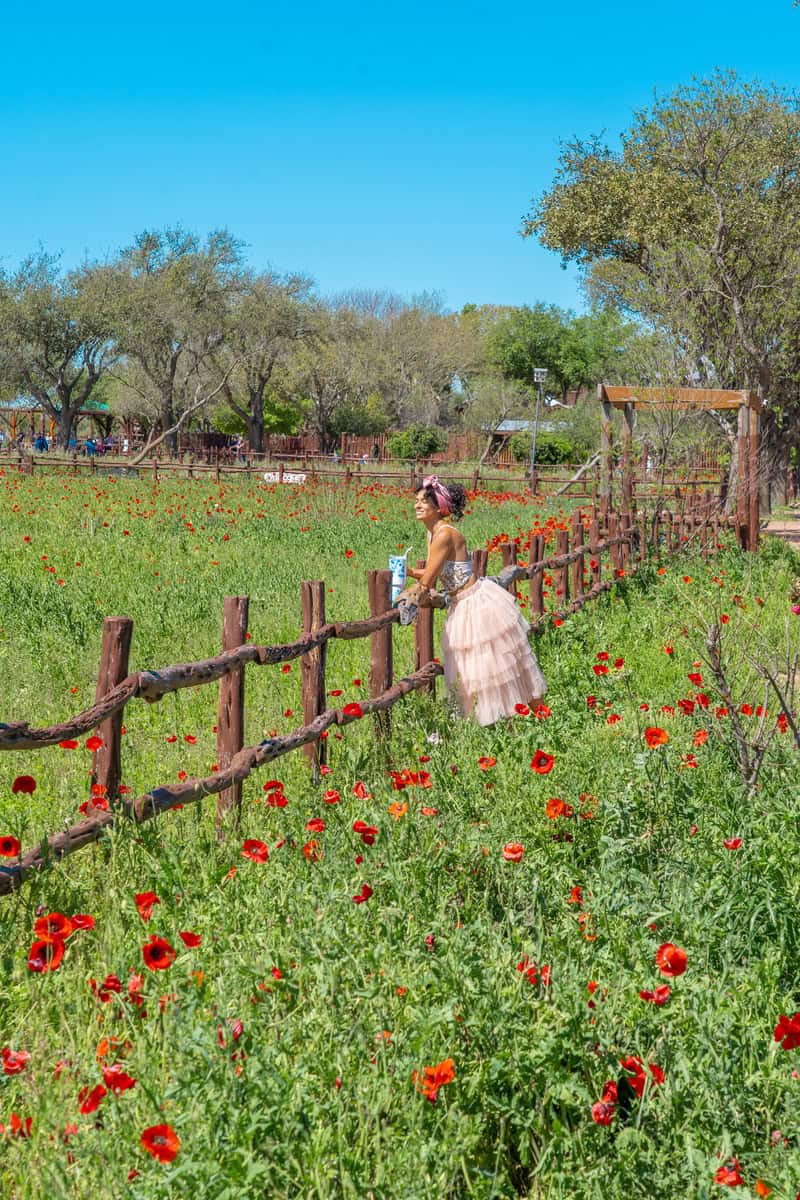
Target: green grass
314 1099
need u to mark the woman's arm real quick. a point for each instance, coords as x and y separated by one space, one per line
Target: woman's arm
439 551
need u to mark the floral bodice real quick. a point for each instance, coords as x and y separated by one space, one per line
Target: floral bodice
455 575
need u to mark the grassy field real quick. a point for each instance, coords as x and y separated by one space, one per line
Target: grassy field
286 1045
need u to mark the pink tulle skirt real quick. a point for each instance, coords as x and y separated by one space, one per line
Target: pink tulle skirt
489 666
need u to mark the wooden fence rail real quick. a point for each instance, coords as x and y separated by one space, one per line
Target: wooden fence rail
624 542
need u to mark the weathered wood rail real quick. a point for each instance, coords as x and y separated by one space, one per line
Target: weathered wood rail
625 543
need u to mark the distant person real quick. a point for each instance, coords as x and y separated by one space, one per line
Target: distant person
125 445
90 448
376 452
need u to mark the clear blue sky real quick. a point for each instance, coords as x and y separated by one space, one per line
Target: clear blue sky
377 145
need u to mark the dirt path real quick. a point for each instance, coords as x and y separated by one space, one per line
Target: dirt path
786 527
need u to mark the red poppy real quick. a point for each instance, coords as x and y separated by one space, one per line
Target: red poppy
522 710
353 710
732 843
315 825
434 1078
94 742
9 846
670 959
486 762
513 851
273 785
331 796
162 1142
256 850
146 902
106 990
276 799
313 851
360 791
45 956
364 894
556 808
68 744
658 996
542 711
157 954
117 1080
190 939
600 669
349 553
82 921
542 763
14 1061
17 1126
730 1175
171 738
25 784
89 1099
367 833
654 736
787 1031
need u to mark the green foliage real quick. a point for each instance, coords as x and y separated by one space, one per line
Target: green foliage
550 448
418 441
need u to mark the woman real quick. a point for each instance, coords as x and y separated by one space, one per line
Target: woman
489 667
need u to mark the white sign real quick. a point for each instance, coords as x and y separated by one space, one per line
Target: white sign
288 477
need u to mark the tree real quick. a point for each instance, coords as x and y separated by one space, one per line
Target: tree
170 300
268 313
692 225
55 342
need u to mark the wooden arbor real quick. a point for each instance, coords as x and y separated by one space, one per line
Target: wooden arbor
654 399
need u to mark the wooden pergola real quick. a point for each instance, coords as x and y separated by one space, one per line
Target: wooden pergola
657 399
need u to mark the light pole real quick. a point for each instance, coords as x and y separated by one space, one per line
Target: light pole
539 377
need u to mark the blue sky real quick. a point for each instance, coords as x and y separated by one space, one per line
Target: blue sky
392 145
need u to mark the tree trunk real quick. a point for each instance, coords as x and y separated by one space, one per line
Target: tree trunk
168 421
255 428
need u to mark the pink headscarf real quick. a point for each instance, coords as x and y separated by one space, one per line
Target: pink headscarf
444 501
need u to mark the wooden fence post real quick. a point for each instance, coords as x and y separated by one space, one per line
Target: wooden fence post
230 706
561 574
423 638
753 480
107 761
613 532
155 469
312 668
595 564
537 580
510 554
576 569
379 584
480 559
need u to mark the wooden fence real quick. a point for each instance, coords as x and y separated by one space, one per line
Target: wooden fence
594 553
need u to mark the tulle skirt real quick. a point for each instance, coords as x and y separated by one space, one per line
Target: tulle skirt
489 666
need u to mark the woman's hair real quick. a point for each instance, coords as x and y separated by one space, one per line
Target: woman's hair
458 497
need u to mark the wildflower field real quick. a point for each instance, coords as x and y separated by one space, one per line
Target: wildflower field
556 958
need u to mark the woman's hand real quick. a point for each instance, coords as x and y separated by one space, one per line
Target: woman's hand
415 572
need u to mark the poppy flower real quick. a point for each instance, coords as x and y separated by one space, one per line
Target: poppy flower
89 1099
732 843
158 954
542 711
25 784
331 796
94 742
522 710
670 959
17 1126
513 851
45 956
117 1080
315 825
655 736
256 850
397 809
434 1078
658 996
14 1061
82 921
106 990
313 851
486 762
364 894
360 792
146 902
9 847
162 1142
603 1112
353 710
729 1175
190 739
367 833
556 808
542 763
190 939
787 1031
276 799
68 744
